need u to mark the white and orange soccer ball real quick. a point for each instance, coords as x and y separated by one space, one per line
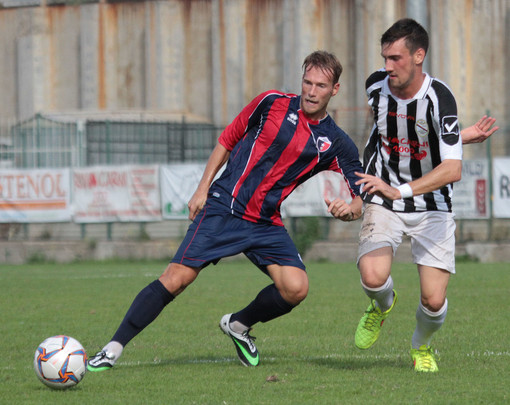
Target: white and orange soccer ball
60 362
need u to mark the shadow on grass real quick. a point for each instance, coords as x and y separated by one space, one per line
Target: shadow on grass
338 362
363 362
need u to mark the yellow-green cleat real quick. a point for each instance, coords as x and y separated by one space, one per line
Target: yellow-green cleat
370 324
424 359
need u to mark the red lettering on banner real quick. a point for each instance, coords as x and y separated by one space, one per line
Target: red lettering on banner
31 186
480 192
110 179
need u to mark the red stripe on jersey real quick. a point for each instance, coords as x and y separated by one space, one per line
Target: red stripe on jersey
263 142
276 218
286 159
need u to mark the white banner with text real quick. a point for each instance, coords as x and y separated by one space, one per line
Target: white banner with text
178 183
116 194
35 195
471 194
501 187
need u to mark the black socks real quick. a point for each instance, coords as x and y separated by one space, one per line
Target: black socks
148 304
268 305
145 308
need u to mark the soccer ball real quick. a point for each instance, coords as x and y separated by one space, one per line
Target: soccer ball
60 362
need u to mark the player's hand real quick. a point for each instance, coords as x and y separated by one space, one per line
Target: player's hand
340 209
480 131
196 203
375 185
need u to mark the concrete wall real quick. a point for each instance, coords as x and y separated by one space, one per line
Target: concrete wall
210 57
340 252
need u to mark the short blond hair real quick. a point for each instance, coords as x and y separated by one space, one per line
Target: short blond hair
325 61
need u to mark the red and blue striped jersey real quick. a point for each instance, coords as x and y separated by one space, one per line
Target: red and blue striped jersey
274 148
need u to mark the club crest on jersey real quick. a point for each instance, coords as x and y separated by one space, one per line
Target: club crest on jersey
323 143
450 129
421 127
292 118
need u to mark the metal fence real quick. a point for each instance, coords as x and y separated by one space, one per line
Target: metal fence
43 142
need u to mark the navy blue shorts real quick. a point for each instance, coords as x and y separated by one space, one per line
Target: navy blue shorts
216 233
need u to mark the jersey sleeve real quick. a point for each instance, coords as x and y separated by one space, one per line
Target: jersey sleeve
374 81
347 163
450 141
246 119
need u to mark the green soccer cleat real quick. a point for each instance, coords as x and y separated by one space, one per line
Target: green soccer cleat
424 359
370 324
243 342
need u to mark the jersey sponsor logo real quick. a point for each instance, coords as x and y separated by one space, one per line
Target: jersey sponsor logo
323 143
420 155
403 116
407 147
409 142
421 127
450 129
292 118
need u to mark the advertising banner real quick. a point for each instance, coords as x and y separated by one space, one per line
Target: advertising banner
116 194
501 189
178 183
471 194
35 195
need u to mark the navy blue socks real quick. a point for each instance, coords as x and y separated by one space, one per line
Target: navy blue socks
145 308
267 305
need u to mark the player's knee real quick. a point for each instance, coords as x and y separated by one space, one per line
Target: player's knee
300 295
433 304
372 279
295 294
177 277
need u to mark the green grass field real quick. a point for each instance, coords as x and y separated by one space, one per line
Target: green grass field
307 357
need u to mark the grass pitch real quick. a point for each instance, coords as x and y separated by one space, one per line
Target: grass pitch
307 356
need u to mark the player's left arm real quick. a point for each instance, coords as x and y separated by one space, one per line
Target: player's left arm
480 131
344 211
347 163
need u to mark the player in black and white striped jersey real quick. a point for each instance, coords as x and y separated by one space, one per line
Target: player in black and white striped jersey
412 158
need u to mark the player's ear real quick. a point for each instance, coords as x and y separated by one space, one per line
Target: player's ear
336 87
419 56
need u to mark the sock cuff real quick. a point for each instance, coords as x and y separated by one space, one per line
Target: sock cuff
388 284
279 300
158 287
437 314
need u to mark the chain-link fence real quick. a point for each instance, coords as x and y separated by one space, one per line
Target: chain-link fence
44 142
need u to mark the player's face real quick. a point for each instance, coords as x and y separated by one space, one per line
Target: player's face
404 69
316 90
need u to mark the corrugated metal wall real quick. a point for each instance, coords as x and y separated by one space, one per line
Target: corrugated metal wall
210 57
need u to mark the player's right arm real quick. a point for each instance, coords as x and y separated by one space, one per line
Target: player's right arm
217 159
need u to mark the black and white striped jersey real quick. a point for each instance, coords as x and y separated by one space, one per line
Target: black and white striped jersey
409 139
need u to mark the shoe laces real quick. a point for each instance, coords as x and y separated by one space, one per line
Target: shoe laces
249 338
426 357
373 318
102 355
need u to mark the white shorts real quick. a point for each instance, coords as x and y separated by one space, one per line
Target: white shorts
432 234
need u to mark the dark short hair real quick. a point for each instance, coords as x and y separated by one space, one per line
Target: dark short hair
325 61
415 35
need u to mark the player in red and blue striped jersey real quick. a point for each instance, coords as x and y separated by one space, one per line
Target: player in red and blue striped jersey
275 147
277 142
